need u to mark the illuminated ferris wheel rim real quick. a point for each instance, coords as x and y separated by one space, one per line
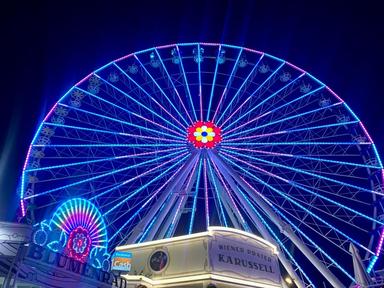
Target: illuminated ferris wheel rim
134 55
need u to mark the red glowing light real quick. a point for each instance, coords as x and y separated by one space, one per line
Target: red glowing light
204 134
79 244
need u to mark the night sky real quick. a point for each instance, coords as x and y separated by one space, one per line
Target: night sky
47 47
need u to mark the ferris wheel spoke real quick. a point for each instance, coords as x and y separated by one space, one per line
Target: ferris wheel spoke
108 145
176 139
294 143
196 193
259 116
318 248
319 159
300 171
122 122
174 87
103 175
161 175
145 92
162 91
291 131
296 228
278 240
283 120
228 84
213 83
136 136
296 203
226 189
139 205
241 88
138 102
128 111
102 160
135 178
140 189
206 194
322 268
318 230
218 197
158 227
301 187
200 88
263 101
186 82
174 217
141 230
157 124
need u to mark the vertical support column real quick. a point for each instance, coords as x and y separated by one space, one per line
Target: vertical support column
284 227
139 228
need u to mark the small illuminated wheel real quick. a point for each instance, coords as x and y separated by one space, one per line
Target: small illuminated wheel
174 139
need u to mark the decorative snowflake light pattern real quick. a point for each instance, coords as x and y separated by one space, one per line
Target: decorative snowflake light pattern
79 244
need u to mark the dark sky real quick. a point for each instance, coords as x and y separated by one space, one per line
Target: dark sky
47 47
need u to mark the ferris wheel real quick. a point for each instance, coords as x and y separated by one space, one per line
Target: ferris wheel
173 139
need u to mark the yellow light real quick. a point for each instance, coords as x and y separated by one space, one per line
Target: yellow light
196 278
288 280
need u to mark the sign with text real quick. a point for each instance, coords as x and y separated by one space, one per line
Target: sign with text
121 261
46 268
244 259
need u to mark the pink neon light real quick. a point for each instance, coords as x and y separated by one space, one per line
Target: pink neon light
157 167
254 51
166 111
124 57
257 168
22 203
380 243
28 154
165 46
258 151
201 104
162 186
248 122
184 194
79 244
209 44
149 153
157 124
82 80
257 192
230 116
206 193
365 131
334 94
152 138
295 67
50 112
227 190
182 103
218 105
22 207
255 136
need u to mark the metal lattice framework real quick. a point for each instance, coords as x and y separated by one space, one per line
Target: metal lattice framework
291 161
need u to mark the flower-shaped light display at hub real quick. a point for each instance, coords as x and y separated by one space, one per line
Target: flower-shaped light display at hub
204 134
79 244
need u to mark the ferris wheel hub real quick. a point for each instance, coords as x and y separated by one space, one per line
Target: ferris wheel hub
204 134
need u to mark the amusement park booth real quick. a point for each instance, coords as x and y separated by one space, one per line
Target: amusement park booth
219 257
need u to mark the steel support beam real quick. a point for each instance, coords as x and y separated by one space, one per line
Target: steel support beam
284 227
